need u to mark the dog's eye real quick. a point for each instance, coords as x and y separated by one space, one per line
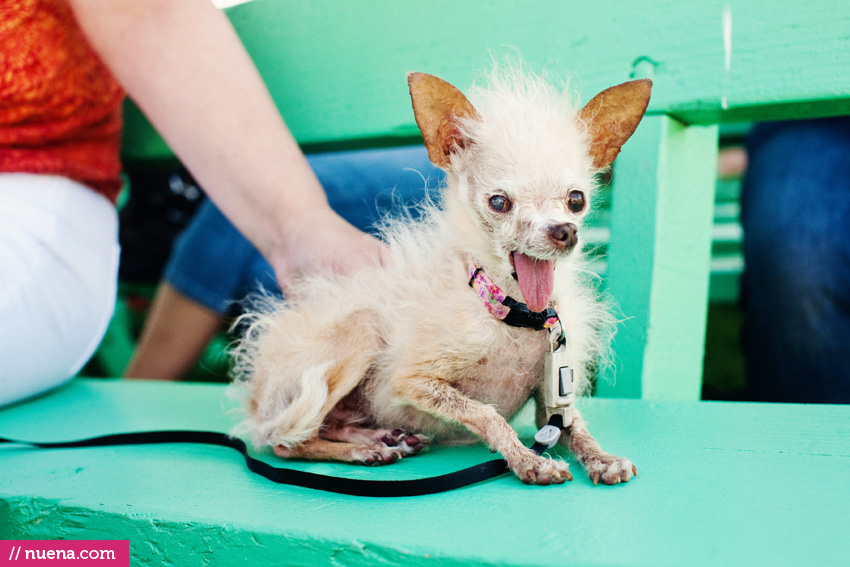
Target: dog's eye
576 201
500 203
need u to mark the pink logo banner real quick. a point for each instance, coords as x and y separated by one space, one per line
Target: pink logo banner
91 553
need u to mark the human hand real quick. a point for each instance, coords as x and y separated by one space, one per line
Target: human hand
320 241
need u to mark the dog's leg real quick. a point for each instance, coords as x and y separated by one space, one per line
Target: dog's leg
600 465
408 443
319 449
290 405
438 397
345 436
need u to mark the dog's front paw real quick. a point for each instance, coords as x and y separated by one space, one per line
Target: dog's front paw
534 469
610 469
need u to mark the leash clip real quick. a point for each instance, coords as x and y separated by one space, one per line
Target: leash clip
548 435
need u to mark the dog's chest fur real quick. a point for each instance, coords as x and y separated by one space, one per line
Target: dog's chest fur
507 376
459 342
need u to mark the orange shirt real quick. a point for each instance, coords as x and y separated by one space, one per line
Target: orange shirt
60 107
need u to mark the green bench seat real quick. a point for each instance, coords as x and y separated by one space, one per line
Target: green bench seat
719 484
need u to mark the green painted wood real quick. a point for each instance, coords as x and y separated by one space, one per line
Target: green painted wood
660 252
141 142
719 484
337 69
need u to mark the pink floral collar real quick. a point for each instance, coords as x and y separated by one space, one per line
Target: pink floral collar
511 311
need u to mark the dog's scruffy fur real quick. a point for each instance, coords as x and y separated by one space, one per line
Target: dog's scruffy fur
373 367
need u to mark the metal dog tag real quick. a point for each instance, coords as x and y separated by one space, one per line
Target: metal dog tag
559 390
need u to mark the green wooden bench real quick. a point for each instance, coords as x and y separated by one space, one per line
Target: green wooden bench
720 483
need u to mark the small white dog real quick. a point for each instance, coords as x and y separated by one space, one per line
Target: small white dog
372 367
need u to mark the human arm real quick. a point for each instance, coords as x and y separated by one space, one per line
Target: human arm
186 68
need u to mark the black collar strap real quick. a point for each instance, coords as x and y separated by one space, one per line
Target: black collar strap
521 316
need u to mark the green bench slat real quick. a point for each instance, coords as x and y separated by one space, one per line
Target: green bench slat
337 69
719 484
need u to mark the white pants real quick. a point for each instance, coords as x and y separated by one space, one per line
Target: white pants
58 275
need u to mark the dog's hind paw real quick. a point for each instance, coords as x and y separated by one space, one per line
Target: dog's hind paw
377 455
394 445
411 444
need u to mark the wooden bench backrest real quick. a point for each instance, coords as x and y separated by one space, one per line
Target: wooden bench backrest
337 71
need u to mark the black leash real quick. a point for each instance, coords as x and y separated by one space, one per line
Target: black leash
354 487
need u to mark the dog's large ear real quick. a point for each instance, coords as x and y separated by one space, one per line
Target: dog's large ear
612 116
437 105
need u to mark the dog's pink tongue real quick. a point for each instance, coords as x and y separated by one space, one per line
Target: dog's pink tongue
536 280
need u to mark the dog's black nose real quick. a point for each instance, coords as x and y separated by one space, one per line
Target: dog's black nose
564 236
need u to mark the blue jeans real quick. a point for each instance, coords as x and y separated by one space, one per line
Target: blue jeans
796 283
213 264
